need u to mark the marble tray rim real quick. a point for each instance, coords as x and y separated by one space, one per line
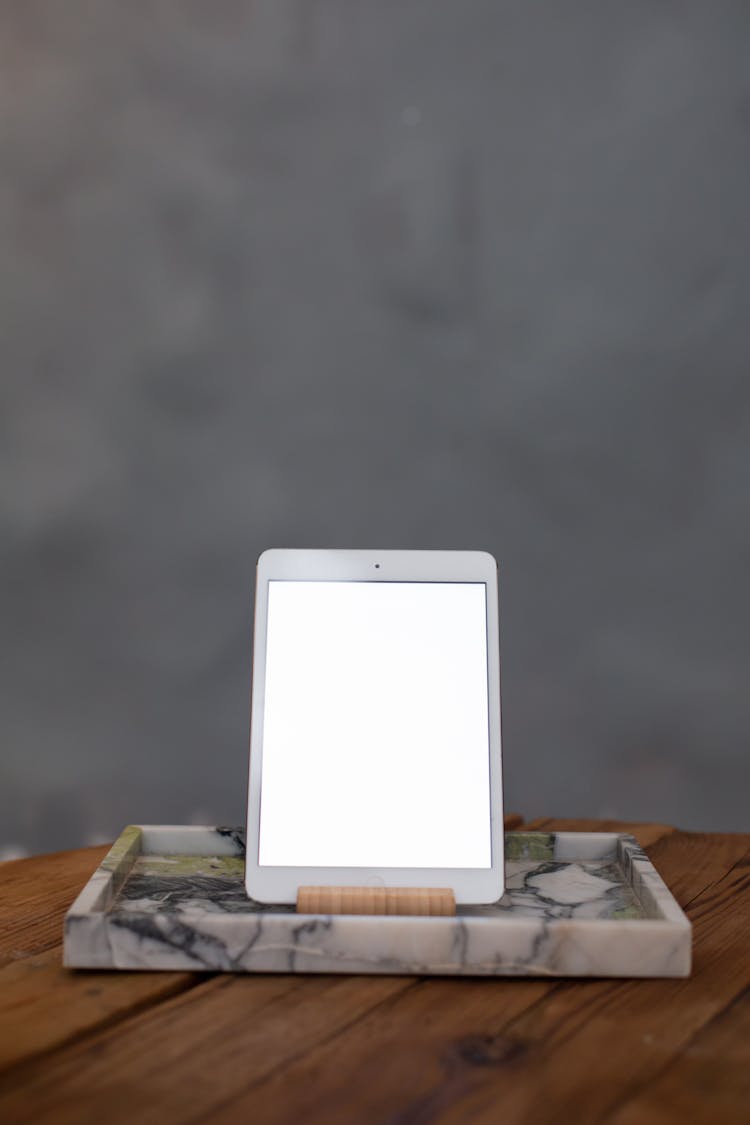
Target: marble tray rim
87 917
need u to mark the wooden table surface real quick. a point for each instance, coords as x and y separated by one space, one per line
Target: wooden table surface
161 1047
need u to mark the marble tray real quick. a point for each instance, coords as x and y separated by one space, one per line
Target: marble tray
577 904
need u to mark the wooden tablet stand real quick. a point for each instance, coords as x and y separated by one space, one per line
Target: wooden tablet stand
376 900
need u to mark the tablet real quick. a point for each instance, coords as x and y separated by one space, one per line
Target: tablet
375 727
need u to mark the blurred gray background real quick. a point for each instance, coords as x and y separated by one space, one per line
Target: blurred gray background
436 273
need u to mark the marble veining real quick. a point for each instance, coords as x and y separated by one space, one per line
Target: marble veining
576 904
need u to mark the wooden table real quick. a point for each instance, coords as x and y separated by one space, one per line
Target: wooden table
163 1047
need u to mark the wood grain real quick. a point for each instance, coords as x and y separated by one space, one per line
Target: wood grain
708 1082
194 1052
34 895
157 1047
43 1006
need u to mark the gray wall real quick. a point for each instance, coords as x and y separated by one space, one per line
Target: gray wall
327 272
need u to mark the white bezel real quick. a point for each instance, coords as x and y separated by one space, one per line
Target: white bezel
279 884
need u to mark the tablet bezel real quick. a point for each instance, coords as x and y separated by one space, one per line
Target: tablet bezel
268 884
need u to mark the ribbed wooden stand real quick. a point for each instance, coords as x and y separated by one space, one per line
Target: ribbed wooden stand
376 900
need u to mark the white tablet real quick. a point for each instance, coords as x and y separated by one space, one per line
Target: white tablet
375 731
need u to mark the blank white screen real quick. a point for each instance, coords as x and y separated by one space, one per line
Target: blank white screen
375 730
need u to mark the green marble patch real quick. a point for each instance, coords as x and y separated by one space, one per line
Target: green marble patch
223 866
127 845
529 845
632 911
